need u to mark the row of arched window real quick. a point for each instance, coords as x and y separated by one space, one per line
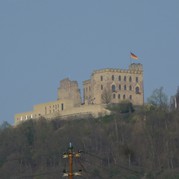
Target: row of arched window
124 78
113 88
119 96
125 88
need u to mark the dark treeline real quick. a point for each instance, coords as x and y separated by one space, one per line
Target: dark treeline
139 144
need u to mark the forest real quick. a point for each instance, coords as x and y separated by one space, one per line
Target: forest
134 142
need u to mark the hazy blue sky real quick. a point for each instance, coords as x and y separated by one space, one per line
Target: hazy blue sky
44 41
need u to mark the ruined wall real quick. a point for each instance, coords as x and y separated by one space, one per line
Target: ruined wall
69 90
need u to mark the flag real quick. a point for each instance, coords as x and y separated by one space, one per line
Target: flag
134 56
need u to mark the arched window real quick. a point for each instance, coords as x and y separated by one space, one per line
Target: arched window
124 78
101 78
113 88
130 97
114 96
119 78
119 96
130 79
113 77
137 90
119 87
124 96
130 88
125 88
137 79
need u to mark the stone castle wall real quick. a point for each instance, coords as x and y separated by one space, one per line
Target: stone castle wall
120 84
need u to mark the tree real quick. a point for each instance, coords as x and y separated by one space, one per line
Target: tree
158 98
4 125
177 98
106 96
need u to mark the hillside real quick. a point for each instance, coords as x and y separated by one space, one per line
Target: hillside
138 144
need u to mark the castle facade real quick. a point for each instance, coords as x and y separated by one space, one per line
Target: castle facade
114 85
105 86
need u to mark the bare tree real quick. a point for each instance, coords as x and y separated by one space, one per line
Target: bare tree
158 98
106 96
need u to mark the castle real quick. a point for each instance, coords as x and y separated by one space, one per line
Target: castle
105 86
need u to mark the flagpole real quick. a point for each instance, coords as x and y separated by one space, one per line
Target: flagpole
130 59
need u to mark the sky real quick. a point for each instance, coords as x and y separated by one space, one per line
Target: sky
45 41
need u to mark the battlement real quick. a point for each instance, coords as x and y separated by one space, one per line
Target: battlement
133 68
67 83
136 66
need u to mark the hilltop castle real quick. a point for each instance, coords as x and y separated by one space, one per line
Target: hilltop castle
105 86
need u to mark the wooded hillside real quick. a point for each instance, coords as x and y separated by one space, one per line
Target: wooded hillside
135 144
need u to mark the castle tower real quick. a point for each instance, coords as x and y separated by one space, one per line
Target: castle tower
116 84
69 90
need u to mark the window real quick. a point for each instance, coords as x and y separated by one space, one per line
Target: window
113 77
130 97
124 78
101 78
137 79
124 96
130 79
113 88
137 90
101 87
119 96
114 96
62 106
119 87
130 88
125 88
119 78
